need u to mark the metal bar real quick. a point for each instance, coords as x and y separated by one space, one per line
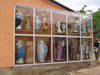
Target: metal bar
51 40
33 35
14 38
67 38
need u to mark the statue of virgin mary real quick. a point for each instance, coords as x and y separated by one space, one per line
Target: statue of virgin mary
41 50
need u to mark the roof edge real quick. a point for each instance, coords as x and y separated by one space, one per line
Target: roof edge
61 5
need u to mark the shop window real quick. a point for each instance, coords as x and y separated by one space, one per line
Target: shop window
45 36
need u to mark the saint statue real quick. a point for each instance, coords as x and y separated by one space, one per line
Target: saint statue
82 46
27 20
71 48
84 28
20 50
63 27
59 49
29 55
37 22
18 24
75 24
49 50
45 21
74 49
58 26
64 49
41 50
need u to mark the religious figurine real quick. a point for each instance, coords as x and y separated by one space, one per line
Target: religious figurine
71 48
74 49
59 49
20 51
82 46
75 26
84 28
44 17
18 24
58 26
27 20
88 23
49 50
41 50
64 49
29 55
37 22
87 52
63 27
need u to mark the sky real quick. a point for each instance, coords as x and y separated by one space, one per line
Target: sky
78 4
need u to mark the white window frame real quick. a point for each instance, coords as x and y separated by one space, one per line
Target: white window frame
51 35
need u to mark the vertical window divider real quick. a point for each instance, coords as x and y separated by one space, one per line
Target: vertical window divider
67 38
51 40
92 35
80 36
14 38
33 36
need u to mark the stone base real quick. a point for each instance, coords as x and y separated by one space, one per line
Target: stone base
52 69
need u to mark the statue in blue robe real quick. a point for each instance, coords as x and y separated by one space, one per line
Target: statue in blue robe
18 24
37 22
84 28
41 50
20 50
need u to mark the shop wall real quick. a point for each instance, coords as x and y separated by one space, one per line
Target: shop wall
7 25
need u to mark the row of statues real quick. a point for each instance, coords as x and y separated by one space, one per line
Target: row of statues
21 53
43 50
59 26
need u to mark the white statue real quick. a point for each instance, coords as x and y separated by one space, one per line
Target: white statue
63 27
29 55
58 26
44 21
75 24
37 22
18 20
41 50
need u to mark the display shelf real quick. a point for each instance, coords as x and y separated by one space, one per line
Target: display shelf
23 31
42 32
88 26
88 33
73 33
59 33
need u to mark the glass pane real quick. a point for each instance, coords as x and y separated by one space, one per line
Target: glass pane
23 21
42 22
59 49
86 27
42 49
74 50
73 25
23 49
86 47
59 23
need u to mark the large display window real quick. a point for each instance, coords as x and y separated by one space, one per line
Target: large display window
47 36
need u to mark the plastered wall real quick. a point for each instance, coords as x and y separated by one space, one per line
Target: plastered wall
7 26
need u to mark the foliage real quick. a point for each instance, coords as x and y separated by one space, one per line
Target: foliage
96 18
